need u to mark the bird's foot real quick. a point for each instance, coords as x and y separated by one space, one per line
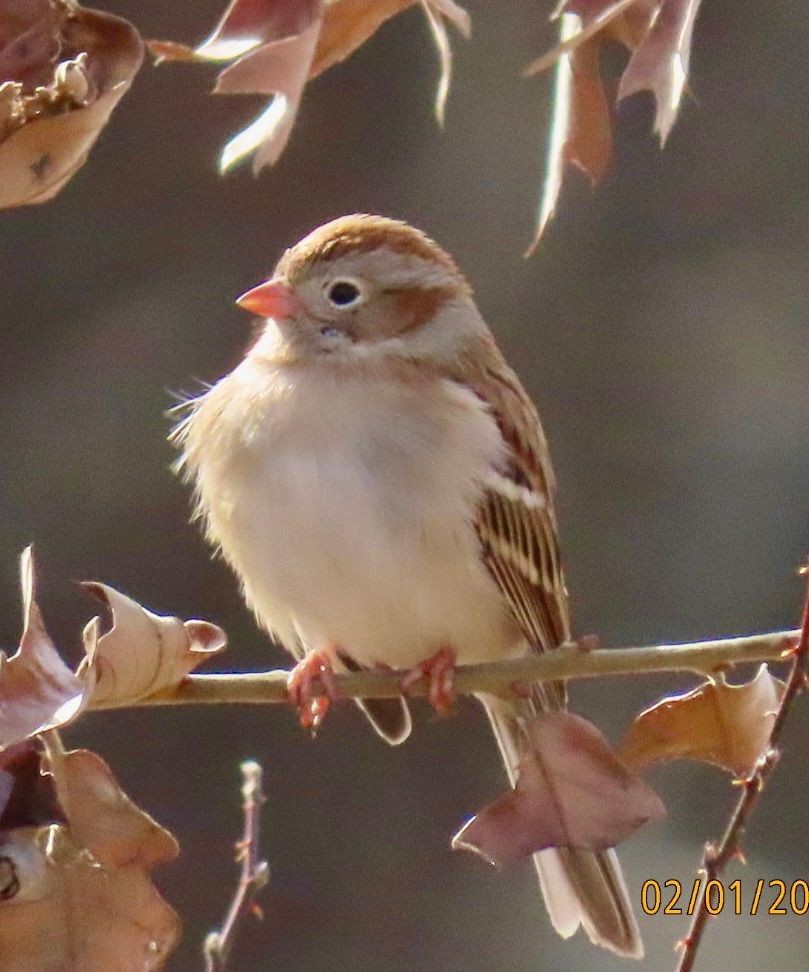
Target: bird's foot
440 670
315 668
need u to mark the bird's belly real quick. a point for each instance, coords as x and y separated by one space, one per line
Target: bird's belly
346 569
373 552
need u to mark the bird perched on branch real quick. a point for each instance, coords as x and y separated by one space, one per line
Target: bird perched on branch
378 478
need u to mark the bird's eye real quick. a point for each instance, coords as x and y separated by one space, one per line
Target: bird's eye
343 293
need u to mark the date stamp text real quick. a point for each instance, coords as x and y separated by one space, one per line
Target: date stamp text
737 897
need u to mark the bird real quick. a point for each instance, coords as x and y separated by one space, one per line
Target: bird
379 481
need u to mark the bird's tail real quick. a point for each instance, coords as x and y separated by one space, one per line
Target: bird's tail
389 717
580 887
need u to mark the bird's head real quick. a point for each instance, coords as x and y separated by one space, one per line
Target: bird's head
365 286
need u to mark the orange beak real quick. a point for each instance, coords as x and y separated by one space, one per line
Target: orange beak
271 299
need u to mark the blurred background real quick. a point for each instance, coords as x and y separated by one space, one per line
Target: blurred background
662 329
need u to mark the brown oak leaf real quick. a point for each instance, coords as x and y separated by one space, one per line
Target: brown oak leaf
63 69
276 46
660 62
658 35
103 819
726 725
572 791
143 652
76 894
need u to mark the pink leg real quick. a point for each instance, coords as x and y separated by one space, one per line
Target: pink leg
440 670
312 708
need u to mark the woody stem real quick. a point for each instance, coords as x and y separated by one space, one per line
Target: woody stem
570 661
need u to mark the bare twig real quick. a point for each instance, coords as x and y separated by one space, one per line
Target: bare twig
716 858
254 876
567 662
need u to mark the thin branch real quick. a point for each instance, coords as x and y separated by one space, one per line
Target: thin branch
715 859
254 876
571 661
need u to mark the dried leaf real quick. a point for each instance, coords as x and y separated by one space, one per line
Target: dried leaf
245 26
592 16
458 16
103 818
572 791
64 69
69 913
660 63
581 129
658 34
143 652
76 894
726 725
37 690
29 40
272 45
348 24
559 137
280 68
276 47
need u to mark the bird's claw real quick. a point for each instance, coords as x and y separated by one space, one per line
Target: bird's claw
315 668
440 670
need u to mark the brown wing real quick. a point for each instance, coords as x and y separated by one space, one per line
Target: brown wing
515 521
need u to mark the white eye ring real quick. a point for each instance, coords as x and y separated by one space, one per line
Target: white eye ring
343 292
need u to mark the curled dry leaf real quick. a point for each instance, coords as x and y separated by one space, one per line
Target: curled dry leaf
572 791
276 46
76 894
37 690
62 71
726 725
143 652
658 34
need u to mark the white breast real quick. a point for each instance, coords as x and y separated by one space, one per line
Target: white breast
345 505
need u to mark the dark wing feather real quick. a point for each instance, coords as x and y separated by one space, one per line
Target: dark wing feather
518 546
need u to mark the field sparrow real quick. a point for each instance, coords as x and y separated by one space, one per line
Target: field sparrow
378 478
